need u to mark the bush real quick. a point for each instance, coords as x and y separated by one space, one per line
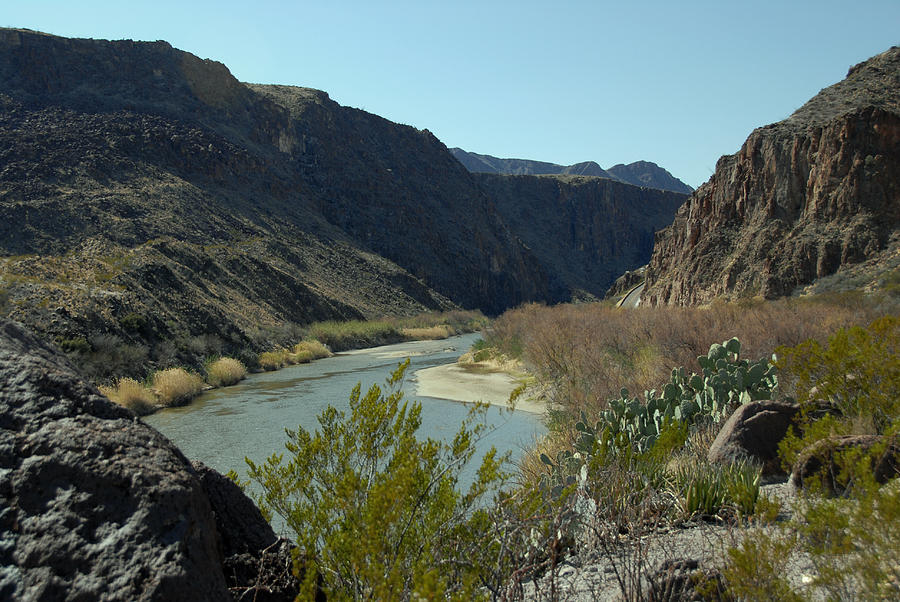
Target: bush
131 394
225 371
176 386
375 510
312 349
273 360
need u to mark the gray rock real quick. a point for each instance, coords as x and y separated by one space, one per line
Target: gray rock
94 504
754 431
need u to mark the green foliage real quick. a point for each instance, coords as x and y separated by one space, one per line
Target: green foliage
849 386
376 511
705 489
754 570
857 374
727 381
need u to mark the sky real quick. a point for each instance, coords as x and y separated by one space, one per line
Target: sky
676 83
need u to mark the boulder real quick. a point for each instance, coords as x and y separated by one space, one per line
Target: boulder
754 431
94 504
258 565
818 461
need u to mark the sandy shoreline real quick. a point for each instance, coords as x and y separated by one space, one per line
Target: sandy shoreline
458 383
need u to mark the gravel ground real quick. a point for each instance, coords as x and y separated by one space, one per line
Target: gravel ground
598 574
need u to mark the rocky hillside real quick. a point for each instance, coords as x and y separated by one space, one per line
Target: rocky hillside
590 230
148 197
809 197
639 173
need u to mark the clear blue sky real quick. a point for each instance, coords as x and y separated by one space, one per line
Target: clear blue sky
677 83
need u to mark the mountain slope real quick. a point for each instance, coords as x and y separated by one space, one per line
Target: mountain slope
640 173
148 197
804 198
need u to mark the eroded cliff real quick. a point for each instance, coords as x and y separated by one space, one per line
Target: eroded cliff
804 198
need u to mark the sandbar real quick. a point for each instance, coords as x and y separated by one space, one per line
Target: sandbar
457 383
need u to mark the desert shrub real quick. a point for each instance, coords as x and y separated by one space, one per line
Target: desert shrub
857 374
355 334
312 349
176 386
273 360
584 354
225 371
376 510
131 394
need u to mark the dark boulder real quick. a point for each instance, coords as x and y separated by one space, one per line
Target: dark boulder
258 564
821 461
94 504
753 432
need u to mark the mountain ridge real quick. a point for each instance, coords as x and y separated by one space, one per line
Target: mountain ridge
640 173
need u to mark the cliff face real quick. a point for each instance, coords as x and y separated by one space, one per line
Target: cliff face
803 198
588 230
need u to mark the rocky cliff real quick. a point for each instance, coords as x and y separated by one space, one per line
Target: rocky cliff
587 230
808 197
639 173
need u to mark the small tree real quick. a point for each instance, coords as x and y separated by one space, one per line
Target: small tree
376 511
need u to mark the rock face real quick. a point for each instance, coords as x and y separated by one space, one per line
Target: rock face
753 432
639 173
802 199
587 230
94 504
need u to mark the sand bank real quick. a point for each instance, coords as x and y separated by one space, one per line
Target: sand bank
459 383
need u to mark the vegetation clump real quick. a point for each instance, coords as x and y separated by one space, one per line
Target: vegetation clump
131 394
176 386
225 371
376 510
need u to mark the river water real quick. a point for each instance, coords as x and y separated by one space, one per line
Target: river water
223 426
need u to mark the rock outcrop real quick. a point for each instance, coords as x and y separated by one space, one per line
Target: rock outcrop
94 504
588 231
803 198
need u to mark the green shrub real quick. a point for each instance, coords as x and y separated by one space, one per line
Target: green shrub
225 371
176 386
375 509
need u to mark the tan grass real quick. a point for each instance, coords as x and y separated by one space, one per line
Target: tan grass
313 349
273 360
176 386
225 371
441 331
131 394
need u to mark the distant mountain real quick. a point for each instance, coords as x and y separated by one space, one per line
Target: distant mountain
649 175
640 173
811 200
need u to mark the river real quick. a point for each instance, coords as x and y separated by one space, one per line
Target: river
223 426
